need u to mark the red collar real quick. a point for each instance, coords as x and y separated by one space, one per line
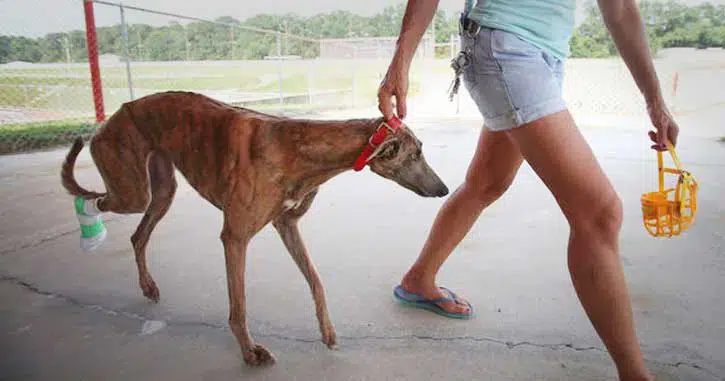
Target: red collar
378 138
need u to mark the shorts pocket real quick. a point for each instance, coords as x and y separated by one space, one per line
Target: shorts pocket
507 45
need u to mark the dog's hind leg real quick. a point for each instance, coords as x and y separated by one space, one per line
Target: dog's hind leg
286 226
163 187
121 154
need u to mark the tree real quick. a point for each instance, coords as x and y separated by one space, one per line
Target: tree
24 49
52 47
669 23
5 49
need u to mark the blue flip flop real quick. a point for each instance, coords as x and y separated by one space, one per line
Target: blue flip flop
417 301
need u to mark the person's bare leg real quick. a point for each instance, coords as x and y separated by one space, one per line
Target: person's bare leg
491 171
559 154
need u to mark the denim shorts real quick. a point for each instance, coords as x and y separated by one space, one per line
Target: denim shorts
512 81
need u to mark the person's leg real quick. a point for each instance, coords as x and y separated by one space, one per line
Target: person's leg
559 154
490 173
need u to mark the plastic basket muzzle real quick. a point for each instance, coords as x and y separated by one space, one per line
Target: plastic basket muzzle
669 212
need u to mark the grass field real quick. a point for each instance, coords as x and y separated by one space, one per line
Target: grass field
35 97
66 89
22 137
44 105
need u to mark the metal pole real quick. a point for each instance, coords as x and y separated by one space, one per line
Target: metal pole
433 30
186 38
66 48
453 47
232 42
279 44
279 69
92 45
66 42
675 81
354 68
310 73
124 35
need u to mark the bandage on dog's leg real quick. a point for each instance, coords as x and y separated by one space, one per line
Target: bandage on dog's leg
93 231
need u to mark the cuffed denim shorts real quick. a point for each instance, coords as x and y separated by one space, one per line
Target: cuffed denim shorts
512 81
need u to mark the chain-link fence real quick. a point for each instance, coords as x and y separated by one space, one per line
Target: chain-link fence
45 92
47 96
144 51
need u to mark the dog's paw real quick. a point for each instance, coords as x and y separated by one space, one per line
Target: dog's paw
258 356
329 338
150 290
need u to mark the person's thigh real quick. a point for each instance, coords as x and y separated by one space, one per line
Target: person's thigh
557 151
495 162
518 89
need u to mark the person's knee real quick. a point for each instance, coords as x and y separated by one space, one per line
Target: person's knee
603 219
487 191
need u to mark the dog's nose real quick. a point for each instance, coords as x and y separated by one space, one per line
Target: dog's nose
442 191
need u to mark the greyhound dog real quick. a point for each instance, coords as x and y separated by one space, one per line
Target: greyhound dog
256 168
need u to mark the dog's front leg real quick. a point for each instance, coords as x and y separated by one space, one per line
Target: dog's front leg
235 252
287 228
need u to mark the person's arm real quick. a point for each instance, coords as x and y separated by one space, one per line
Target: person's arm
624 23
418 15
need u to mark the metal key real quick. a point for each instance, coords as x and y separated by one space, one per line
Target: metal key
458 64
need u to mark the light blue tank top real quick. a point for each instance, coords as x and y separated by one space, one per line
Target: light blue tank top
548 24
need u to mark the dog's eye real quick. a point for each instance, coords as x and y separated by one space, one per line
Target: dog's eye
416 155
390 151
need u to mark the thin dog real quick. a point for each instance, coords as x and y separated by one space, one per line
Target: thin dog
256 168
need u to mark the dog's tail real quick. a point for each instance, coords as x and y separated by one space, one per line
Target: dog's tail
68 178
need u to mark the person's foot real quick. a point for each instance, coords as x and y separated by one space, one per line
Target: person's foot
648 377
93 231
644 375
427 289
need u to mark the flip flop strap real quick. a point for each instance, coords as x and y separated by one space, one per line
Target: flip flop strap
436 301
453 296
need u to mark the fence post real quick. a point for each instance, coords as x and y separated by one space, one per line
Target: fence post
354 69
675 81
232 42
310 73
279 70
124 35
186 38
453 46
92 44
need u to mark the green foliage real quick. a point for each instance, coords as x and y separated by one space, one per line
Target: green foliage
669 23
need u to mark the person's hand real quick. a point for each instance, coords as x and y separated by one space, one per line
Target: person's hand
394 84
667 129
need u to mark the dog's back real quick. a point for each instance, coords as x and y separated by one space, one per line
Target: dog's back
205 139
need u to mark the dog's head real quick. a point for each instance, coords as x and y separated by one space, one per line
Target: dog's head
400 158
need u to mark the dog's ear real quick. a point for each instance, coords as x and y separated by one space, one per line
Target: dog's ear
386 150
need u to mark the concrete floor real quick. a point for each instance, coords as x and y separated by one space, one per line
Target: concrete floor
67 315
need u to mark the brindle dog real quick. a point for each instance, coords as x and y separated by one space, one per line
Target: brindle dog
256 168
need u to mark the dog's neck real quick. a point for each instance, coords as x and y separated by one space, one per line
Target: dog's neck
324 149
334 145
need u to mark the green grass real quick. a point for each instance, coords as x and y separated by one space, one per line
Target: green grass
67 90
23 137
61 88
56 126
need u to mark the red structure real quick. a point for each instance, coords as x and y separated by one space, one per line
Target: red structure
92 43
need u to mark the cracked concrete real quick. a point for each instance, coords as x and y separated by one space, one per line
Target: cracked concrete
70 315
39 238
77 303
